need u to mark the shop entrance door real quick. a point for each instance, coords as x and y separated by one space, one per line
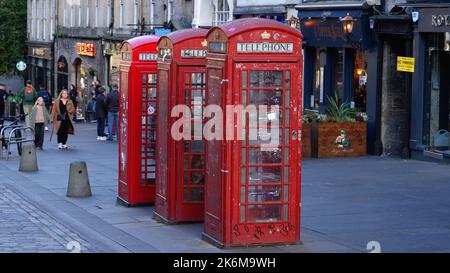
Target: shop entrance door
268 185
190 194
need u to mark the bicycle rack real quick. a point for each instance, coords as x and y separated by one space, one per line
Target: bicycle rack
12 139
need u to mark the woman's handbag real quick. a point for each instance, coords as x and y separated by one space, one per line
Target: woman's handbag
61 117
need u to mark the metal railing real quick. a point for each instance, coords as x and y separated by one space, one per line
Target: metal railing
220 17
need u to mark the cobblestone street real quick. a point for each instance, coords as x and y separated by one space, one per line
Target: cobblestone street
26 228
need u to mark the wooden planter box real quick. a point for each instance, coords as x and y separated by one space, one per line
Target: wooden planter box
327 141
306 140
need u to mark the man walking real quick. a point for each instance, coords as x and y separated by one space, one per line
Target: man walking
28 95
112 104
2 100
100 112
47 97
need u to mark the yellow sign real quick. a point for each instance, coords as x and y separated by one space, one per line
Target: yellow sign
405 64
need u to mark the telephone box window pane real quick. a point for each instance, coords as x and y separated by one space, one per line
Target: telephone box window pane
263 78
244 99
243 156
285 213
197 195
286 174
286 156
152 93
244 79
288 79
243 195
287 136
242 213
197 146
197 178
286 193
287 94
264 213
186 194
258 194
198 162
186 179
264 174
286 116
152 79
266 97
268 138
258 156
243 176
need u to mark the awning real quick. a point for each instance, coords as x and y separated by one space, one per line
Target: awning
332 5
306 14
259 10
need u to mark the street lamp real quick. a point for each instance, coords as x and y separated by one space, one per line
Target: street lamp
293 22
347 24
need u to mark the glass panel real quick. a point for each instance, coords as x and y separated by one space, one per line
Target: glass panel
286 193
243 176
266 97
244 79
288 79
286 174
186 178
244 98
287 116
258 156
197 194
264 213
197 146
266 78
242 213
264 174
197 178
286 156
264 194
243 195
268 138
198 162
243 156
285 212
186 194
287 136
287 94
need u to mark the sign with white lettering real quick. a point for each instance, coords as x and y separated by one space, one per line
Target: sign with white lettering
86 49
193 53
434 20
265 47
148 57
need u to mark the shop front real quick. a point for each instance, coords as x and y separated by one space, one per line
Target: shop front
40 63
430 115
340 49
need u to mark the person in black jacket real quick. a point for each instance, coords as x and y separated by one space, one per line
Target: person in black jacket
2 100
100 112
73 94
112 104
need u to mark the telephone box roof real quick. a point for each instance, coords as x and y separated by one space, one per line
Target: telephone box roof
142 40
238 26
185 34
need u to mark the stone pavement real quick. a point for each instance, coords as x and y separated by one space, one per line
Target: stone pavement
346 203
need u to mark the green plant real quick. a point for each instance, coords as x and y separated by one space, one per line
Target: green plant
339 112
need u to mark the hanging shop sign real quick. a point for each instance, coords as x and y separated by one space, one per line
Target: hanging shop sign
86 49
405 64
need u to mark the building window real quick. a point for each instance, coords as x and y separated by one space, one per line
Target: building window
135 21
44 20
64 13
108 13
152 14
79 13
121 14
38 19
169 10
221 12
88 11
96 13
72 14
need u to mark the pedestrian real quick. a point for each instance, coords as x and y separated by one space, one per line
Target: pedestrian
28 95
61 117
98 85
12 101
100 113
47 97
39 119
112 104
73 93
2 100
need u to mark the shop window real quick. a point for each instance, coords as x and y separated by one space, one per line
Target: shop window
360 81
338 85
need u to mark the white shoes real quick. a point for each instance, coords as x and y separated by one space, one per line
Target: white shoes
62 146
102 138
46 128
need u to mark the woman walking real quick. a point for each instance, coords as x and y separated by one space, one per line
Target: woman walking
61 116
39 120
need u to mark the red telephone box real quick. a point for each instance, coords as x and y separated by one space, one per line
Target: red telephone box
137 140
253 185
181 160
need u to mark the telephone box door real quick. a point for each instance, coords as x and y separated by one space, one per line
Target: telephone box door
190 198
268 161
